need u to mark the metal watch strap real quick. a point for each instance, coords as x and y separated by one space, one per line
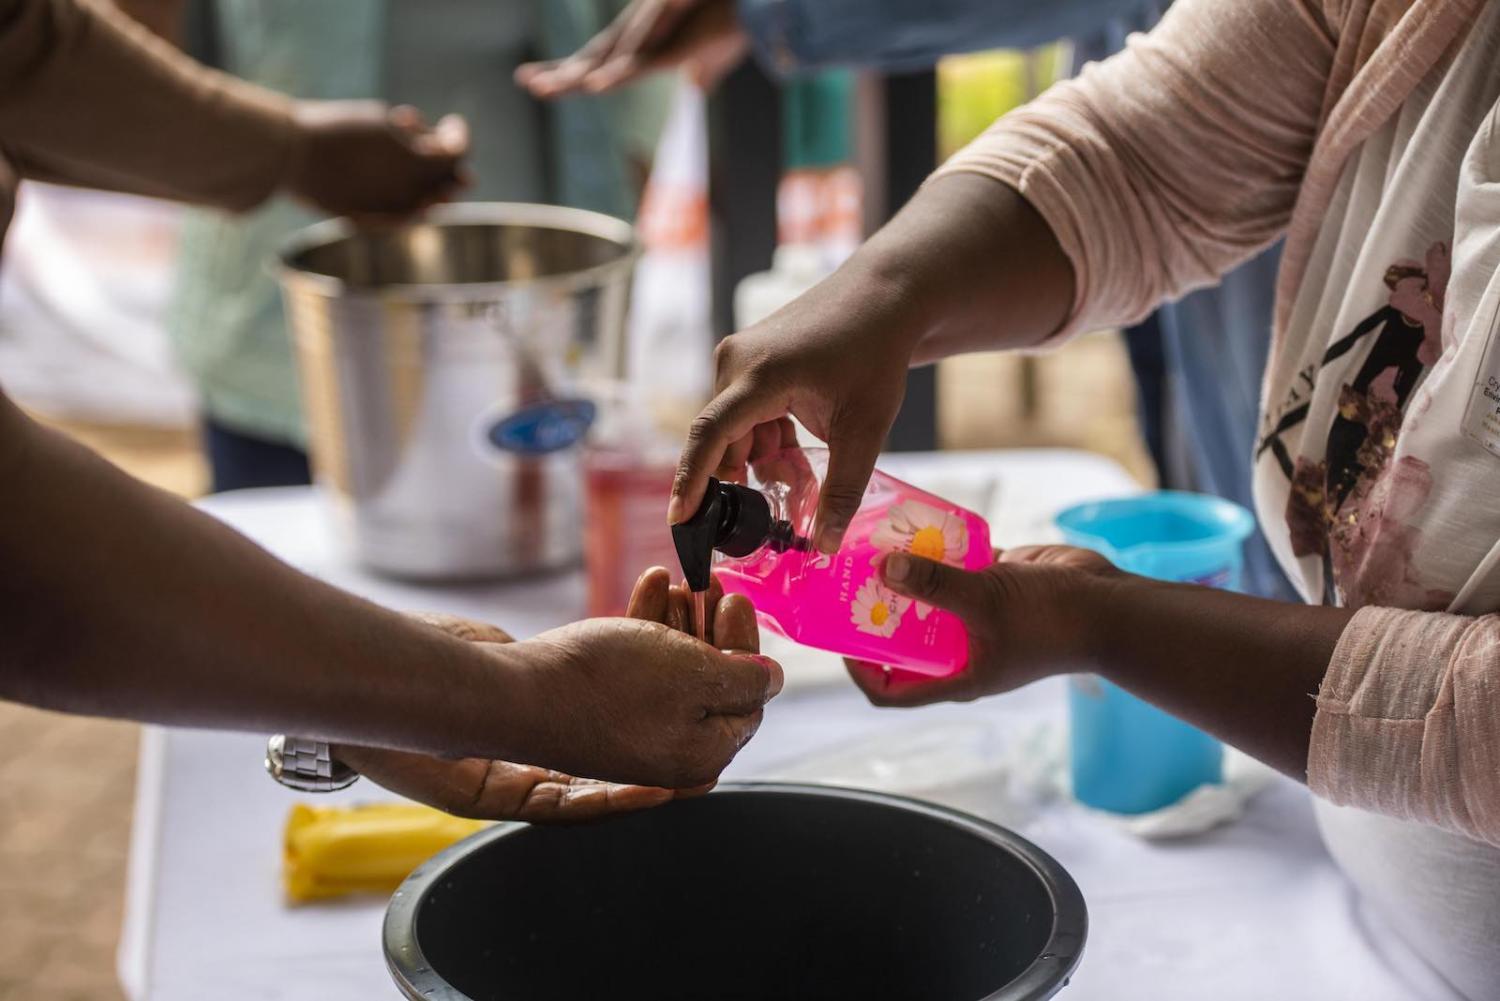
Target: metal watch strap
306 765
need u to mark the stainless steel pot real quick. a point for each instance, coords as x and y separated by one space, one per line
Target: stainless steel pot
446 371
762 891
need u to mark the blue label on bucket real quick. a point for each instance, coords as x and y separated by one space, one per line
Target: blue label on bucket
543 427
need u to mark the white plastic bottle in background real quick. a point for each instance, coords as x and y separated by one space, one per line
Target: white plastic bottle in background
670 313
818 201
795 268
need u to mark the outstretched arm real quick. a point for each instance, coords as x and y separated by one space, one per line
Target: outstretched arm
90 97
1391 711
1242 668
1081 210
503 790
117 600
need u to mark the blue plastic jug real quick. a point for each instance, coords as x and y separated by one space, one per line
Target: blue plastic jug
1127 755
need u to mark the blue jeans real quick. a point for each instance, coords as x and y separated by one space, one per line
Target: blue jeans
1217 341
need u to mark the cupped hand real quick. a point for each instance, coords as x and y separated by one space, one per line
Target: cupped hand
375 164
636 700
702 36
1029 615
503 790
835 359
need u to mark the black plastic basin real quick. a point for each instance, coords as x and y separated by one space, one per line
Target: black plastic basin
755 891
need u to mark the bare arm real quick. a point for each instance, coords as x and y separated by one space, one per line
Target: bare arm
969 265
118 600
1154 172
163 18
121 601
967 262
1396 712
1244 669
89 97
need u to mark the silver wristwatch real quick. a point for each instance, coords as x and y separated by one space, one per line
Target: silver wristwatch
307 765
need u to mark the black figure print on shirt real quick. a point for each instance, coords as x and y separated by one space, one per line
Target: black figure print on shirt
1342 504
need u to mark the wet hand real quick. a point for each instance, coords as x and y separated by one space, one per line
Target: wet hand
488 789
503 790
1029 615
702 36
375 164
640 700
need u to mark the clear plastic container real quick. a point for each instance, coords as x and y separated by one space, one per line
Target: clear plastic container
839 602
624 532
628 470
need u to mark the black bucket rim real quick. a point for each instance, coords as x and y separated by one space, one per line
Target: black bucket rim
1047 974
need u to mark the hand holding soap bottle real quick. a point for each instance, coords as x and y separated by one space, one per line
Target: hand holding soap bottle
834 602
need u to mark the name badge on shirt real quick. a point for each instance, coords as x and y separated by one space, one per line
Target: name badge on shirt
1477 212
1482 418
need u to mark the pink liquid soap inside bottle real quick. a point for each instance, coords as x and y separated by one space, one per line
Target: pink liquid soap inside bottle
837 603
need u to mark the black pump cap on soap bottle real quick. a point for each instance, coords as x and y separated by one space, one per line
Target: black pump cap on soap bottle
733 519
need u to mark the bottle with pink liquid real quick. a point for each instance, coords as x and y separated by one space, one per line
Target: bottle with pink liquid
836 603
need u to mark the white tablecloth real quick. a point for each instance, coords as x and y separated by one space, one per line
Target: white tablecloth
1254 910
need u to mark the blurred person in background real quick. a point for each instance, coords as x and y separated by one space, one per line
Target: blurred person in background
226 315
1198 362
118 600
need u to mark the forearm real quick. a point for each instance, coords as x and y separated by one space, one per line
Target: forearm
121 601
967 265
1244 669
163 18
1390 711
89 97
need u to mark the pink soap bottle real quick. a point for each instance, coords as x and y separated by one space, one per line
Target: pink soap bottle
836 603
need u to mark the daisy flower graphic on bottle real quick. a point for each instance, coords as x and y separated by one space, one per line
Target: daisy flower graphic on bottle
877 609
923 530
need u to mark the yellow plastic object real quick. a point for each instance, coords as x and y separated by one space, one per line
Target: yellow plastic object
330 851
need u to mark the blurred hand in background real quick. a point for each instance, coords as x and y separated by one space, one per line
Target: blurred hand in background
354 158
704 37
373 163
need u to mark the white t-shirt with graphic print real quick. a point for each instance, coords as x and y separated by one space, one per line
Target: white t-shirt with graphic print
1378 467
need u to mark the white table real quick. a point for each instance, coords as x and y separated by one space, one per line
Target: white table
1254 910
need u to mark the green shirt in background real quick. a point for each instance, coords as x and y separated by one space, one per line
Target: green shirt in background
458 56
